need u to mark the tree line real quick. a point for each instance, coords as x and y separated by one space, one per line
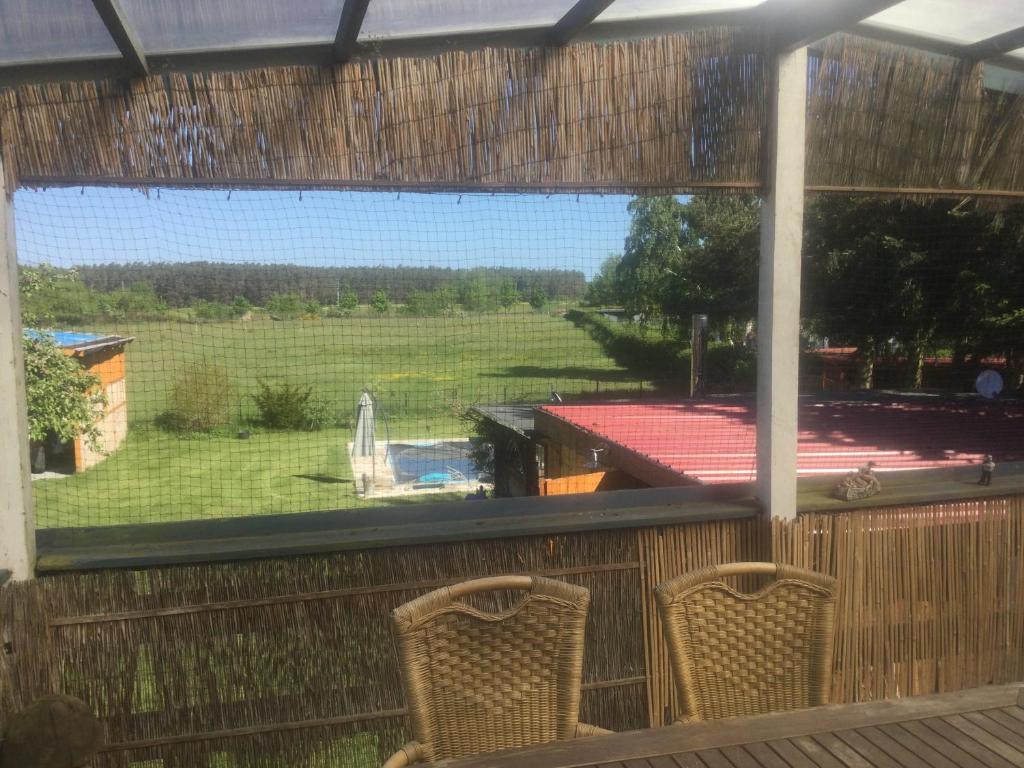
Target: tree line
893 279
180 284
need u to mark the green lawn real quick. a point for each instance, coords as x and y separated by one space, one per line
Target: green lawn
424 372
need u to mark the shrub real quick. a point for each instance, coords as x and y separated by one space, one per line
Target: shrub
312 308
201 399
63 399
240 306
429 303
538 298
380 303
284 405
211 310
348 300
319 413
509 295
285 305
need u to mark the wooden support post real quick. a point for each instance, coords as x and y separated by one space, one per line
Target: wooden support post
17 529
778 320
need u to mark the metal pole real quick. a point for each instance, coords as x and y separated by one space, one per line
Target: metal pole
698 351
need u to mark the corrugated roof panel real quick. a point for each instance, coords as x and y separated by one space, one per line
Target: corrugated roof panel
411 18
32 30
958 21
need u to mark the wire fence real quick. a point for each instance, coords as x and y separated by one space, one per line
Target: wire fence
211 353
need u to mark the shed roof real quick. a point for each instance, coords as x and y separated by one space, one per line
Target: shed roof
81 342
714 441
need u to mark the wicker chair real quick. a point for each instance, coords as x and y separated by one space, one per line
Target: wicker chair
478 682
747 654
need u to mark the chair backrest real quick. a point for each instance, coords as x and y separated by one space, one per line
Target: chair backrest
477 681
735 654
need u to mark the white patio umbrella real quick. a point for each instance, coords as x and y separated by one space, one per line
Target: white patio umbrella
366 424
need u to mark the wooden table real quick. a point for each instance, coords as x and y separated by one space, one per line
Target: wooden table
977 728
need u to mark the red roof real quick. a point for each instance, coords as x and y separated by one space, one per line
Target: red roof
715 441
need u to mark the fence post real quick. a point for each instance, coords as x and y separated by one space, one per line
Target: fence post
778 319
17 529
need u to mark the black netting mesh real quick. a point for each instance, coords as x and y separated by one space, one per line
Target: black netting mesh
276 351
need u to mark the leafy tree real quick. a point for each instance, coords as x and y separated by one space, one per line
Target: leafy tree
476 294
379 303
695 257
211 310
651 258
508 296
63 399
428 303
312 308
240 306
538 298
348 300
136 301
285 305
603 289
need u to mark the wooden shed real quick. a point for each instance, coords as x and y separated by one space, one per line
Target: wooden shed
103 356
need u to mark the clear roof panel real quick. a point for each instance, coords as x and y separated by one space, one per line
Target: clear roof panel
407 18
960 21
636 9
182 25
33 30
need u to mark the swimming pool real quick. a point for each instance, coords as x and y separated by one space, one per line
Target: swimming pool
433 462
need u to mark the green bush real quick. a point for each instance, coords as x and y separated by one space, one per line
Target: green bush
665 356
538 298
429 303
240 306
380 303
201 399
291 406
285 306
348 300
211 310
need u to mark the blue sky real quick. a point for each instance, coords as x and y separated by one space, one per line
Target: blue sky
76 226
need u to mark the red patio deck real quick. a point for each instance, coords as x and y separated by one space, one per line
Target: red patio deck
714 441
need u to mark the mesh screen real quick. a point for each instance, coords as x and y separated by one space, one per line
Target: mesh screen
274 351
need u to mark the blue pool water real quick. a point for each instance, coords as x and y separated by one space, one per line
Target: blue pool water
446 461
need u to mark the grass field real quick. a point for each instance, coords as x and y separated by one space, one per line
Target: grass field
423 371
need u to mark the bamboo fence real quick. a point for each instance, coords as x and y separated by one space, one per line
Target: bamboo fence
290 662
672 113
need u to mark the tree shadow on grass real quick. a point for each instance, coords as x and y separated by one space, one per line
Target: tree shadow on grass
564 372
324 479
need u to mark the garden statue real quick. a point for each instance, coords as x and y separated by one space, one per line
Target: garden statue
987 467
53 732
860 484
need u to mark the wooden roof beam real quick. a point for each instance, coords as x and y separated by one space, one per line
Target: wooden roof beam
352 15
796 23
997 45
124 36
575 20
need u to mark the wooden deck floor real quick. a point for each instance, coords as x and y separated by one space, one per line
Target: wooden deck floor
979 728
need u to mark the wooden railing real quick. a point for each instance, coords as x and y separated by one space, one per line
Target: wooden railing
235 663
